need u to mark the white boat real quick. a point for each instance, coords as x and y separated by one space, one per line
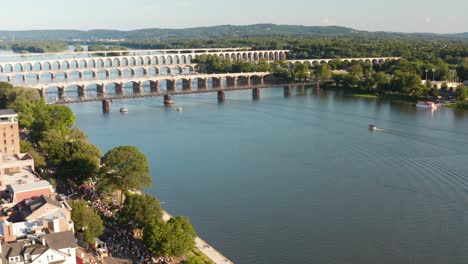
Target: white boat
179 109
123 110
428 105
372 127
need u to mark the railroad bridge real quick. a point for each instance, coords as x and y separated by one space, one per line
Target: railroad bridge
150 58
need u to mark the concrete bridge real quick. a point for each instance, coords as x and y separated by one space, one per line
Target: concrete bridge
167 68
373 60
135 60
171 83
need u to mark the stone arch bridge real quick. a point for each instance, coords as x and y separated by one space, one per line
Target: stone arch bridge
134 60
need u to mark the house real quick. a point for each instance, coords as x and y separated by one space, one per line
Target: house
50 248
36 217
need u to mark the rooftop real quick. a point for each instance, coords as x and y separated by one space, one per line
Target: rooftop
17 179
7 112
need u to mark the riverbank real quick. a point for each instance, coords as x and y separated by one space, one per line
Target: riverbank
204 247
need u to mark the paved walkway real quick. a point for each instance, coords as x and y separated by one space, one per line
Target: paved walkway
204 247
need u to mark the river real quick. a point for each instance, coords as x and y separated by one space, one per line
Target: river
302 179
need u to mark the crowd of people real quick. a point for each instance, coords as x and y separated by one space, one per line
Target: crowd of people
119 238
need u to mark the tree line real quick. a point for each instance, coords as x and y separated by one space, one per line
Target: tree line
64 156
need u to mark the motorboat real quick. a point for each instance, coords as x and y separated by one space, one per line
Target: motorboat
179 109
428 105
123 110
372 127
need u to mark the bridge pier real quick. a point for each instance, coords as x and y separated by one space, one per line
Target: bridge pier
221 96
8 78
154 87
202 84
101 90
81 91
106 106
168 100
187 85
53 76
24 77
300 90
42 92
138 88
38 77
94 74
80 74
66 75
171 85
287 91
62 93
256 93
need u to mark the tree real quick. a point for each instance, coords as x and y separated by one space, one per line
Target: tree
174 238
141 208
324 72
461 93
87 221
356 70
125 168
301 71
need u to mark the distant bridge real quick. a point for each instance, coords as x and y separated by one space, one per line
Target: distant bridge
373 60
136 60
119 70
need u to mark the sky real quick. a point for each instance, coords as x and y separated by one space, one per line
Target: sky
438 16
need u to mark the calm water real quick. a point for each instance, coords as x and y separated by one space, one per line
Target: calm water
301 179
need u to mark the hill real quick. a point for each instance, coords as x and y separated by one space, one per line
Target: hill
222 31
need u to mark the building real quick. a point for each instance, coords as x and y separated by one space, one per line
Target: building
9 132
35 217
49 248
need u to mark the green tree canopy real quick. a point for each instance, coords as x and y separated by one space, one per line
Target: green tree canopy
141 208
174 238
125 168
86 220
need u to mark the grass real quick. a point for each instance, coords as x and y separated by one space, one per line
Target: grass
458 105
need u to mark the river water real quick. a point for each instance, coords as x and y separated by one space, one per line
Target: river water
302 179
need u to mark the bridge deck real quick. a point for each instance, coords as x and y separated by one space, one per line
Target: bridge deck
180 92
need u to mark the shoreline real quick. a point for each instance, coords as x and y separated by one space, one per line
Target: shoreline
210 252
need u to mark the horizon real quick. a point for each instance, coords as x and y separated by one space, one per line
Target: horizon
219 25
401 16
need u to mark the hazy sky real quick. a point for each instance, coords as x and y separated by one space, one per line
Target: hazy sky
374 15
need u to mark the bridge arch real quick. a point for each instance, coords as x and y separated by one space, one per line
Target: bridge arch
189 59
176 59
116 62
155 60
65 64
169 60
123 62
73 64
8 68
183 59
107 62
140 61
18 67
147 60
99 63
27 67
162 60
165 70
